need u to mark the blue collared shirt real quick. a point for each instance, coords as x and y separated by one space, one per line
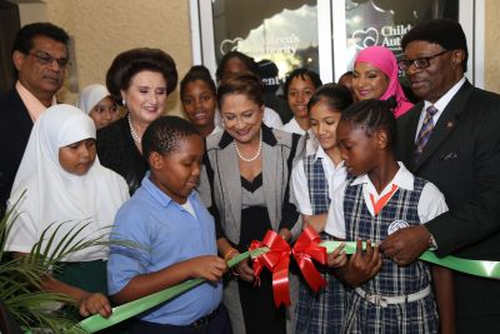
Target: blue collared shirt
169 234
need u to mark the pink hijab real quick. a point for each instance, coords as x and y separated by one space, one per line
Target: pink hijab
383 59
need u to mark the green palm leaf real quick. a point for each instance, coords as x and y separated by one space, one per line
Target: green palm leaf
21 278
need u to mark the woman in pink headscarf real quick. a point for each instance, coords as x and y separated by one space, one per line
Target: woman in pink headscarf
376 77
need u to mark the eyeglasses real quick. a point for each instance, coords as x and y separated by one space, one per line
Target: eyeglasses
420 63
45 59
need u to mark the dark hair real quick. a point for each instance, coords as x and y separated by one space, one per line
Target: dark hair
445 32
129 63
335 95
164 134
248 61
24 38
373 115
348 73
198 72
303 73
246 84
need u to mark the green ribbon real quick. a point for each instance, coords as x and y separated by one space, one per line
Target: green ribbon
123 312
488 269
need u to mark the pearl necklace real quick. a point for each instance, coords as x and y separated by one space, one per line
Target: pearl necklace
256 154
136 138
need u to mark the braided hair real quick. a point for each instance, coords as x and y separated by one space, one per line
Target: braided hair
373 115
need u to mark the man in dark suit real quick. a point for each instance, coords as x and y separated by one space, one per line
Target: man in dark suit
40 55
452 139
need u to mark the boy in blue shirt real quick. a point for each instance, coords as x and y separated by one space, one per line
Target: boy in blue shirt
167 217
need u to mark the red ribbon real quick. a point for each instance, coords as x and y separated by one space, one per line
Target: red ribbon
277 260
305 249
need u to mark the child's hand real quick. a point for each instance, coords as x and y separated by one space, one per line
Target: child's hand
209 267
363 265
337 258
245 271
93 303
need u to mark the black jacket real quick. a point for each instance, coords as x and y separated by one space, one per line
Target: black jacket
462 158
15 129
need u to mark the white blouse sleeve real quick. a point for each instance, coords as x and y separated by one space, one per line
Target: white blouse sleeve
431 204
300 189
335 222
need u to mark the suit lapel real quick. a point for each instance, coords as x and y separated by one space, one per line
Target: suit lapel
230 170
408 132
446 123
22 118
270 181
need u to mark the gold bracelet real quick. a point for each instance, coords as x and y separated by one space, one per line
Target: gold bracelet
230 254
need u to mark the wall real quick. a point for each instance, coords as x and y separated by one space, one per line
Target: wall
492 41
104 28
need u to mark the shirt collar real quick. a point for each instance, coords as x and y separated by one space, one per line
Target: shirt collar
295 127
267 137
155 192
446 98
33 105
403 178
320 153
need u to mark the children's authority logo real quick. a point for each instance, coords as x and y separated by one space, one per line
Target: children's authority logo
397 225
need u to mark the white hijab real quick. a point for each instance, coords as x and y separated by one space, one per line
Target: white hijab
91 96
54 195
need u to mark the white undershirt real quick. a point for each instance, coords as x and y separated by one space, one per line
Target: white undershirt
189 208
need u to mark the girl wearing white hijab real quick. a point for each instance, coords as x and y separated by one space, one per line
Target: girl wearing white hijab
65 183
96 101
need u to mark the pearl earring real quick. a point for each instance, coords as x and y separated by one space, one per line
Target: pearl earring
124 102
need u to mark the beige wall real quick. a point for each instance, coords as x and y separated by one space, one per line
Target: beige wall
104 28
492 43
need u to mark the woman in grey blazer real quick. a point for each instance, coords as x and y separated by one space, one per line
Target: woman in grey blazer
245 185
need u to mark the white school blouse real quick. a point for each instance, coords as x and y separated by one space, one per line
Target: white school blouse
430 205
335 176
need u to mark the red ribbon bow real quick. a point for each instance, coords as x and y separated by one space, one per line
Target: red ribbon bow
276 260
305 249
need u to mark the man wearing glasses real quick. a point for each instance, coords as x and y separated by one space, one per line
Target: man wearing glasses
452 139
40 56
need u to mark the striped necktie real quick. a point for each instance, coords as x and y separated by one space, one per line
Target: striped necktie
425 132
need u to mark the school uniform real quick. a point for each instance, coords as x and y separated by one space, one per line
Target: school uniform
311 142
170 233
314 179
398 299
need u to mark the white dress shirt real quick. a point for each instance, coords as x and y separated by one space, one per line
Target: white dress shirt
440 105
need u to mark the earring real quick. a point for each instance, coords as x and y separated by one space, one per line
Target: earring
124 102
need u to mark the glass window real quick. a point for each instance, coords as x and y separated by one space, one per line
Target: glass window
284 32
385 22
323 35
